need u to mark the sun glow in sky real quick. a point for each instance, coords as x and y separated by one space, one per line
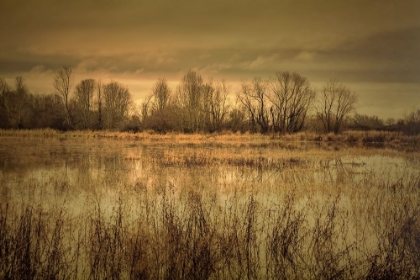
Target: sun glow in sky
373 47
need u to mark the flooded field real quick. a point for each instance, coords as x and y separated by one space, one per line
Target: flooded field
75 208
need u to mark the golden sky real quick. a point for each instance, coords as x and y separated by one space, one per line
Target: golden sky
373 47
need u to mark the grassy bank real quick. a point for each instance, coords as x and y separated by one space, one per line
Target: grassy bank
352 137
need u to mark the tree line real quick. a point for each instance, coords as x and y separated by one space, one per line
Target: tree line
287 104
90 105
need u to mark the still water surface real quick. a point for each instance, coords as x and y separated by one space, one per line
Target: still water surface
72 169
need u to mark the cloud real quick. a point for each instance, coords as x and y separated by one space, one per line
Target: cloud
39 69
263 62
215 68
115 27
357 42
305 56
384 57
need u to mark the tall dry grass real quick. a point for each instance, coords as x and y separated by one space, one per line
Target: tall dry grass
199 236
349 137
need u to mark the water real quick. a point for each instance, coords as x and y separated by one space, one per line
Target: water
72 171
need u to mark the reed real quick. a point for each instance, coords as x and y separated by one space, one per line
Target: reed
198 238
352 137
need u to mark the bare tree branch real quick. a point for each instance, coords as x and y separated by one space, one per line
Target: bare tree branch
62 83
337 102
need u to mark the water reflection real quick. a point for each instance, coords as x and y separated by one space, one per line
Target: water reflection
82 166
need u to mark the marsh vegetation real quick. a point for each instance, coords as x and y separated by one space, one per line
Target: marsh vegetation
197 207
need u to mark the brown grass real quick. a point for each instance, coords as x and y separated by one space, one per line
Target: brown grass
352 137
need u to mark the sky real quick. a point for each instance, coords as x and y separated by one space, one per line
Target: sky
371 46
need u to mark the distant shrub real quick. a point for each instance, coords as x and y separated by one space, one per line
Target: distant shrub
352 139
377 138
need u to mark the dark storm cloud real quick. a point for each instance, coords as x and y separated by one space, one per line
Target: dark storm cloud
13 61
211 23
384 57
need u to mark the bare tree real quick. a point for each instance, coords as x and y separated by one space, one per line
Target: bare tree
335 104
158 103
84 101
236 119
4 89
208 91
3 86
16 105
390 121
62 83
291 97
190 100
217 106
99 87
145 108
412 122
117 101
20 85
161 95
253 96
48 109
365 122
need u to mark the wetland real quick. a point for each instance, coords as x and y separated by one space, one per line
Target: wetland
207 208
